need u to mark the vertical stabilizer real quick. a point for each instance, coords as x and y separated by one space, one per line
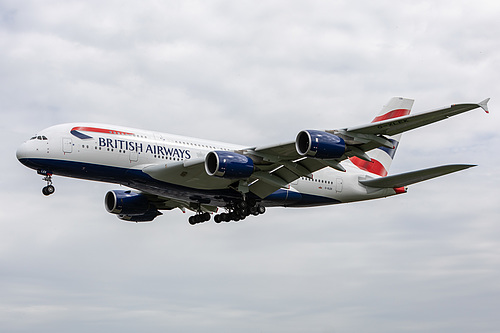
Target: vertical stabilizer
381 158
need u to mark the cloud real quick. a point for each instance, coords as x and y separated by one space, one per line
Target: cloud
252 74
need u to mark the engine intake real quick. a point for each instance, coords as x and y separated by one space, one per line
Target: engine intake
130 206
227 164
319 144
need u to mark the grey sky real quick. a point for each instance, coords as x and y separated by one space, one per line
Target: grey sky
253 74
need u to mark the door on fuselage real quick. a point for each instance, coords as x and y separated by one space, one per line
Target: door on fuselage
67 145
339 185
134 156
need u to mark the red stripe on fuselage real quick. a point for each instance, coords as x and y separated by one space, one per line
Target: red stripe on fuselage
374 166
100 130
392 114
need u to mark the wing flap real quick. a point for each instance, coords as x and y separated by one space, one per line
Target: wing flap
262 189
409 178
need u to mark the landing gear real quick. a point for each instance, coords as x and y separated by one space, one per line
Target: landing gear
199 218
239 212
235 212
49 189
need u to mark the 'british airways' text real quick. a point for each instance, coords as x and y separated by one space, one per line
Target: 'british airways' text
148 148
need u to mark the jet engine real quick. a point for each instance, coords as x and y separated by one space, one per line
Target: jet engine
319 144
130 206
227 164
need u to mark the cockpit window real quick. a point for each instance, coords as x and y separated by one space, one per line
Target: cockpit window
39 137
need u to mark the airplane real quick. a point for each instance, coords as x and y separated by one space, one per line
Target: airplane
229 181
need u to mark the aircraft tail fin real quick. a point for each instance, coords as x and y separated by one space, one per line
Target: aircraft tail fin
381 157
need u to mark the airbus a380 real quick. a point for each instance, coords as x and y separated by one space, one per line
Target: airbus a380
232 181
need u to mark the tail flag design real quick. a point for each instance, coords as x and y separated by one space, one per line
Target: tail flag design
382 157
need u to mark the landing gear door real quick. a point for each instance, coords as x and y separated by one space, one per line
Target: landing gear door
67 145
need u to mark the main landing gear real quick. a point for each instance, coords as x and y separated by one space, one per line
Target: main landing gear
239 214
235 212
49 189
199 218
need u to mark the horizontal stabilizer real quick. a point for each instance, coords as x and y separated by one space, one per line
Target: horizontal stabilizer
408 178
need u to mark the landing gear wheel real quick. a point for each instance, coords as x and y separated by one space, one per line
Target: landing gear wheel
48 190
242 205
199 218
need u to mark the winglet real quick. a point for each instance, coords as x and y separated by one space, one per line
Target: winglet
484 105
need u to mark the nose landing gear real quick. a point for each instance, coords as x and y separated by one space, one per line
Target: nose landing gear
49 189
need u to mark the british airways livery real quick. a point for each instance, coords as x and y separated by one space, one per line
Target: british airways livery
232 182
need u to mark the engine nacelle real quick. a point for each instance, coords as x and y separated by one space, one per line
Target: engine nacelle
319 144
146 217
130 206
227 164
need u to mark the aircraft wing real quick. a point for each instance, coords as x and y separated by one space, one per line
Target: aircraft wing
406 123
276 166
163 203
189 173
281 164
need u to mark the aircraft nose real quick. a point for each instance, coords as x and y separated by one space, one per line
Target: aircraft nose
22 152
25 152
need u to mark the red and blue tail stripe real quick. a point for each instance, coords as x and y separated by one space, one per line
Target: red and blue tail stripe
375 166
381 157
392 114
